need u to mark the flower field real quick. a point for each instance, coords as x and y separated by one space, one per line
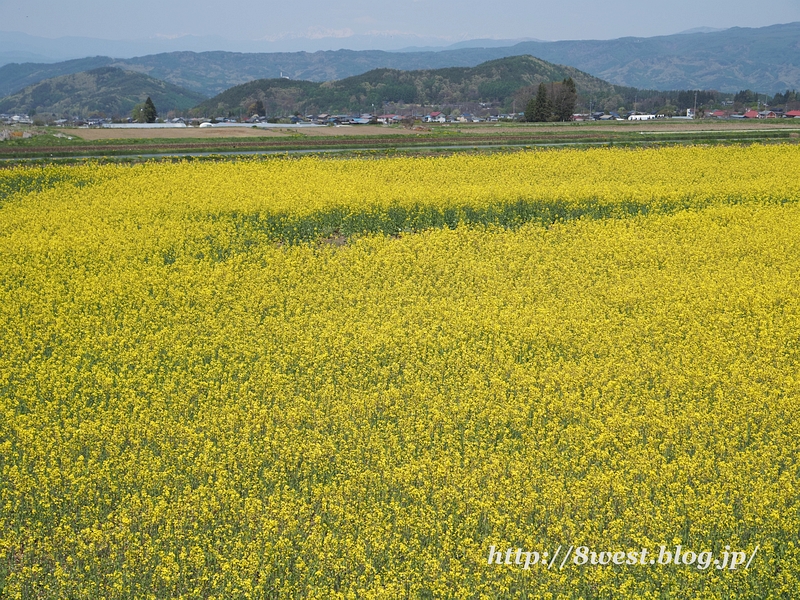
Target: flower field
349 378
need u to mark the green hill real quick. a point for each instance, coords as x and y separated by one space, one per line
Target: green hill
15 76
106 90
502 81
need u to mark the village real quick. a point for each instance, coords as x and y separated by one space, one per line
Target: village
325 119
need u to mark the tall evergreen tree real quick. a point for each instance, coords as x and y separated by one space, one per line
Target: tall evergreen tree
530 108
150 113
565 99
542 108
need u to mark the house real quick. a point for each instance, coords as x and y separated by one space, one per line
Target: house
751 114
767 114
468 118
792 114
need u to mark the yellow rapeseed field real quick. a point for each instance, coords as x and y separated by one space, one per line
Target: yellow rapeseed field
359 378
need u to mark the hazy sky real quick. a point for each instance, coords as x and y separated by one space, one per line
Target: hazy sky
449 21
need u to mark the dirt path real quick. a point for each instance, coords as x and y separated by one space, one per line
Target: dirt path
211 133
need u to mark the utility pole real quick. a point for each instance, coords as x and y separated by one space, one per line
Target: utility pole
694 114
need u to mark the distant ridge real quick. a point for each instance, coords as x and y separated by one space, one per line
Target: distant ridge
700 30
765 59
59 49
477 43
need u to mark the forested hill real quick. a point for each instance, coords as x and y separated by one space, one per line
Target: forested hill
501 82
106 90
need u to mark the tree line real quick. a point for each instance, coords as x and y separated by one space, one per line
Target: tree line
554 101
790 98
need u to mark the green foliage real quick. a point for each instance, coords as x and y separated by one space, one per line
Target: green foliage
150 112
530 108
553 102
687 98
256 108
564 98
668 110
497 90
542 107
137 114
145 112
789 97
746 97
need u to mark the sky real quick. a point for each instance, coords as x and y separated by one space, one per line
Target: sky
426 21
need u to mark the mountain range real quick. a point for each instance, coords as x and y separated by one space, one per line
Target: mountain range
21 47
765 59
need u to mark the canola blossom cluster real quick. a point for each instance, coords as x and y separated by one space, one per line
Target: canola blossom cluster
353 378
